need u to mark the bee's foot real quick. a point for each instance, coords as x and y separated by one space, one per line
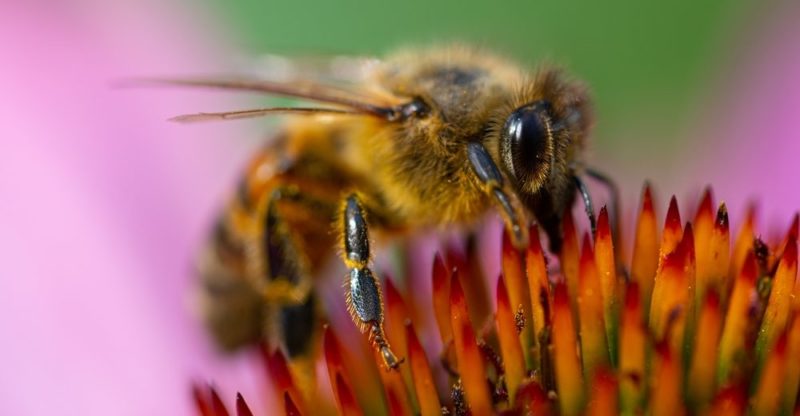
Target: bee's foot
390 360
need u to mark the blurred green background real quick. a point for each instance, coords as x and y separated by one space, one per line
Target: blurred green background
646 62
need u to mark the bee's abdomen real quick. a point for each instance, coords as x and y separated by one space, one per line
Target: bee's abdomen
232 310
270 239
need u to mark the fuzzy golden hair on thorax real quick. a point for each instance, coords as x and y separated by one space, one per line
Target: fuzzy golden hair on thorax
469 95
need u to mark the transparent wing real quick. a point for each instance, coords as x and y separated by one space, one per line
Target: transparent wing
329 69
340 82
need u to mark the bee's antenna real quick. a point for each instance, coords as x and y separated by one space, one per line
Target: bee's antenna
307 91
259 112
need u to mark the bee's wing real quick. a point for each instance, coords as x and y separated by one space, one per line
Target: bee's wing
339 81
341 70
258 112
343 75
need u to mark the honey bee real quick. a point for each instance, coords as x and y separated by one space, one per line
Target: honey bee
425 138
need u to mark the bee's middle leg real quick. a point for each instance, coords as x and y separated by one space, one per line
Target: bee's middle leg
280 269
364 299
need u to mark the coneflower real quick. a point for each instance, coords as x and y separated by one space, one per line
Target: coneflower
697 322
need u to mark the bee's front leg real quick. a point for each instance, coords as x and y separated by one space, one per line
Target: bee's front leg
497 188
364 299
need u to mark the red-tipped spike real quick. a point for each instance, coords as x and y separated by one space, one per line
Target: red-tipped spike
594 347
281 376
396 395
645 249
689 278
792 378
202 401
730 401
289 407
515 279
333 354
514 273
706 207
794 229
671 291
533 400
704 355
242 409
732 342
703 229
429 404
513 360
704 225
569 381
345 400
458 303
216 403
397 407
744 242
778 307
691 260
720 252
470 363
632 352
441 298
791 234
607 271
603 400
396 317
769 389
672 229
538 287
665 395
476 285
570 257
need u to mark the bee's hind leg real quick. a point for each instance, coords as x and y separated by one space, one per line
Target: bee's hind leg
364 299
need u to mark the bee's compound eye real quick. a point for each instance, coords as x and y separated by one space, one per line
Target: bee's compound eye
524 140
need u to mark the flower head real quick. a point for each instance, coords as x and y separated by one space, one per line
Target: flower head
695 322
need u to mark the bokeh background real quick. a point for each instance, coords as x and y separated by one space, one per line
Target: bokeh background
103 204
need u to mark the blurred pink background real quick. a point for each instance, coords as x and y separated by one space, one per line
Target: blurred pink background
104 203
747 132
